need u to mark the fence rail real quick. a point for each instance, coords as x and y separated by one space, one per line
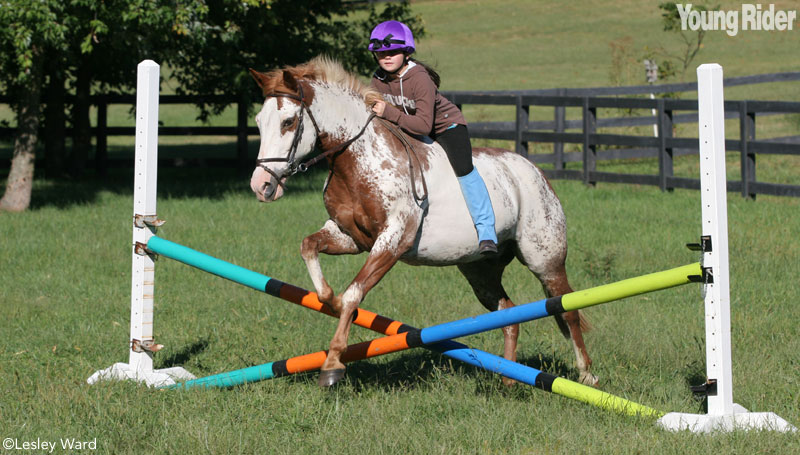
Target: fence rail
662 146
523 130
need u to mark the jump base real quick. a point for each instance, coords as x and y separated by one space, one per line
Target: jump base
153 378
741 419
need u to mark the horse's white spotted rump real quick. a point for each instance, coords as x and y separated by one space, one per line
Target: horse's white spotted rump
369 196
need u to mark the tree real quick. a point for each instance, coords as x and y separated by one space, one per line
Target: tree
105 41
234 35
79 46
85 43
677 63
26 30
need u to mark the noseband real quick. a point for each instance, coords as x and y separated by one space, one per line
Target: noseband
294 167
298 134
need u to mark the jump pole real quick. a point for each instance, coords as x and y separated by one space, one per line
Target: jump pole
723 413
437 338
521 373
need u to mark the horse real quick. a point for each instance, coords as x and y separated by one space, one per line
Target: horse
397 198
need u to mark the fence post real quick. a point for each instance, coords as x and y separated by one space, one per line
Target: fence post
523 113
665 157
558 147
101 145
241 133
711 115
747 132
589 148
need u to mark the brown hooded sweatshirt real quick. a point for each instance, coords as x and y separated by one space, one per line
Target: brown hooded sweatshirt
414 103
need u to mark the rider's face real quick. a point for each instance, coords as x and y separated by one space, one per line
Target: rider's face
390 61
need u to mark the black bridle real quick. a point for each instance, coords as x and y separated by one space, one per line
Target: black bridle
298 134
293 165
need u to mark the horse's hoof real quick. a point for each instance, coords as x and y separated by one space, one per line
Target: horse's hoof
589 379
328 378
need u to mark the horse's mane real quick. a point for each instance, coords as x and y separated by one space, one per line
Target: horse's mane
322 69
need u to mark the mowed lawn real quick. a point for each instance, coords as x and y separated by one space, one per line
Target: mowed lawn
66 299
65 289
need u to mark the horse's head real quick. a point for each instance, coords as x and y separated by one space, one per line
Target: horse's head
288 132
288 128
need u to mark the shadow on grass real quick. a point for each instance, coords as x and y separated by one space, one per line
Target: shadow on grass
419 369
695 376
183 356
177 178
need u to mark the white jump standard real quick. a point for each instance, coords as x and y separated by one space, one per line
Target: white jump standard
723 413
145 222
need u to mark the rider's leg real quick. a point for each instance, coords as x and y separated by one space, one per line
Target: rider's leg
480 207
455 142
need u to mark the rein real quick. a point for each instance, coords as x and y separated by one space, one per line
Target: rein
294 167
339 147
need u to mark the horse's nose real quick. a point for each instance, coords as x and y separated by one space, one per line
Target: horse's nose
268 189
265 185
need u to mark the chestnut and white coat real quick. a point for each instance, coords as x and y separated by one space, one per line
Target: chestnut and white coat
372 205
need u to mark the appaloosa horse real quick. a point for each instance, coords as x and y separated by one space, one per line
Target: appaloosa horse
398 198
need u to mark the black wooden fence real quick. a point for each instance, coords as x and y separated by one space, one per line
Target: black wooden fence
558 132
663 146
102 131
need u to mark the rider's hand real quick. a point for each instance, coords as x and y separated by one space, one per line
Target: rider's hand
379 107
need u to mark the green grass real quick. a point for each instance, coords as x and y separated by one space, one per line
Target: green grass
519 44
65 292
66 300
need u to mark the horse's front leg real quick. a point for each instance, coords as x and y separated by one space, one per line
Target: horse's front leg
329 240
384 254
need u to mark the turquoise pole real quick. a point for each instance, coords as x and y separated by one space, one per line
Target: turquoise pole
232 378
208 263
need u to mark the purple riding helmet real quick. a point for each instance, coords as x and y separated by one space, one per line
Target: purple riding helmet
391 35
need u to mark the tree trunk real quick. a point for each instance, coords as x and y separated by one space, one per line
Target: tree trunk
55 121
81 124
19 186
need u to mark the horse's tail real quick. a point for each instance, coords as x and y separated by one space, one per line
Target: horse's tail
584 322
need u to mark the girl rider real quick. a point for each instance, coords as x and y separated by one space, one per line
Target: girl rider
413 101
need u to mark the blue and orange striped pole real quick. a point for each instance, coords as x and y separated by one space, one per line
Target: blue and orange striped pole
437 338
381 346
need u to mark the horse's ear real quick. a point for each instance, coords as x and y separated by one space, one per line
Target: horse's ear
261 78
289 81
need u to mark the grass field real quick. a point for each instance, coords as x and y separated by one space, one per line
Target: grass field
66 298
65 291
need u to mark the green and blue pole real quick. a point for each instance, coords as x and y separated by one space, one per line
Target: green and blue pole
490 362
435 337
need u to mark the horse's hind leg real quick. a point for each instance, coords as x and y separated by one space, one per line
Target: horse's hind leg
571 323
485 277
546 261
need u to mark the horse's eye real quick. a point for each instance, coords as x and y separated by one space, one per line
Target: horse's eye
286 124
